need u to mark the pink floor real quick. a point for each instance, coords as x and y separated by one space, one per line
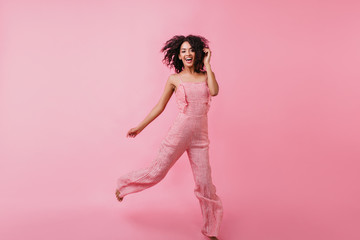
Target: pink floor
146 216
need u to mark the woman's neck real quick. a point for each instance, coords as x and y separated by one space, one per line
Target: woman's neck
188 70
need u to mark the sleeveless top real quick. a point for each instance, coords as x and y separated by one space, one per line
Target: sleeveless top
193 98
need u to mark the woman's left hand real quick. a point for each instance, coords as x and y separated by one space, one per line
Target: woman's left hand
207 56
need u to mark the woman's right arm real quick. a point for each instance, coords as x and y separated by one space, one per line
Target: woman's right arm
157 110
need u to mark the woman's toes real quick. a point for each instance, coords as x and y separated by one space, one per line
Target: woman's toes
117 193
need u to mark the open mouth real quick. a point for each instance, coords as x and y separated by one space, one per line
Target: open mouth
188 60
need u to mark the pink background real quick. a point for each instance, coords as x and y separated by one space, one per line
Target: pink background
77 75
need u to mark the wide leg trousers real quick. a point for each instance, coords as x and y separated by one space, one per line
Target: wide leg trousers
190 134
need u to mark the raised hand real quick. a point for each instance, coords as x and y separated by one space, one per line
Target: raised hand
207 56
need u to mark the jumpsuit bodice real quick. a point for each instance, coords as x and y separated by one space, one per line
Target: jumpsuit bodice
193 98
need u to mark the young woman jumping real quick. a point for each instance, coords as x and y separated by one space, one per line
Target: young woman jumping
194 88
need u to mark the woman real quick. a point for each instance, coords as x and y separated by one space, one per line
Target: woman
194 88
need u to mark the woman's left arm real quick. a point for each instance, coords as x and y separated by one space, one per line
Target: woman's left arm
211 80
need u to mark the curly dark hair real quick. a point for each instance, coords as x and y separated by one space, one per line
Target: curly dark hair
172 50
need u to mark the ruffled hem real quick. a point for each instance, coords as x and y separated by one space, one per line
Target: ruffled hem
181 99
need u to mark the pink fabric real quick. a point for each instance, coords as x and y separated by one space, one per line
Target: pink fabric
189 133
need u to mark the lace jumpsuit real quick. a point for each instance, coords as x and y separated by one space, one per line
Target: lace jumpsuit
189 133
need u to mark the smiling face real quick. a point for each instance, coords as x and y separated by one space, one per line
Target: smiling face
187 54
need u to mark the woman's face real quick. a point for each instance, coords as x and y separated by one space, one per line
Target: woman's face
187 54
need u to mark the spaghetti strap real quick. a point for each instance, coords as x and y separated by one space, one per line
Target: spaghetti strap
180 79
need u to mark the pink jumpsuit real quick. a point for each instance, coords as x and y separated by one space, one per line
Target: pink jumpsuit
189 133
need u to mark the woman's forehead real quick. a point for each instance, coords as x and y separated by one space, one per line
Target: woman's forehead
185 44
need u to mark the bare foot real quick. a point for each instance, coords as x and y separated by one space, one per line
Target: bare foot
117 193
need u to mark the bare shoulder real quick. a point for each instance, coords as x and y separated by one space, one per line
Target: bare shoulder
174 78
204 74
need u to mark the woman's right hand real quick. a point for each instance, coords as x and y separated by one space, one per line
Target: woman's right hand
133 132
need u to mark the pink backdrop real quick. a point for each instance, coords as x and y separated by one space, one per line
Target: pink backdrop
77 75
